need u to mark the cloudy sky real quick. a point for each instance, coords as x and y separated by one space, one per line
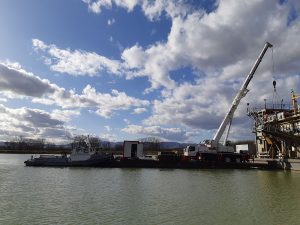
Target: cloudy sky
127 69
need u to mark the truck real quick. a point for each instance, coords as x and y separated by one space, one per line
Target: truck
213 150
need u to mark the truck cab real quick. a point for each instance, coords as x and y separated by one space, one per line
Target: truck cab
194 150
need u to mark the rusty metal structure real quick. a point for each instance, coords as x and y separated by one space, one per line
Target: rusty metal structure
277 129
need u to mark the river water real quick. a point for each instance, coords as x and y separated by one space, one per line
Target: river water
31 195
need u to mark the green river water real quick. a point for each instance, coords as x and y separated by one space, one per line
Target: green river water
145 196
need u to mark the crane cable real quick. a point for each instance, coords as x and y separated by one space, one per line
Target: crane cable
275 98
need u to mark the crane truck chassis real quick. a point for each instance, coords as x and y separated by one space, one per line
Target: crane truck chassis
213 150
196 152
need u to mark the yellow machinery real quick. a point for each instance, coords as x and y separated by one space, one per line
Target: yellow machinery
294 100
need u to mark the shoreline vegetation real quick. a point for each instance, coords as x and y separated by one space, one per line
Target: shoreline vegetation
21 145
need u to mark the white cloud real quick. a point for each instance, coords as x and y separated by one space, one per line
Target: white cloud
30 123
139 110
104 103
111 21
220 47
134 57
151 9
76 62
154 9
44 101
108 128
19 83
39 45
107 103
210 42
96 6
64 115
155 62
128 4
127 121
192 105
108 137
203 106
170 134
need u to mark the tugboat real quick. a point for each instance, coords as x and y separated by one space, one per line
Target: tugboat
82 155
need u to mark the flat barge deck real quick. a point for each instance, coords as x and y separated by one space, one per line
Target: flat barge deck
141 163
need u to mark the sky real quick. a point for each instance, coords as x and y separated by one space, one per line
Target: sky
130 69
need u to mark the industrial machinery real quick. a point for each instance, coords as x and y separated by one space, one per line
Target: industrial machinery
213 149
294 100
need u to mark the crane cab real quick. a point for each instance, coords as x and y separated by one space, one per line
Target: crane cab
194 150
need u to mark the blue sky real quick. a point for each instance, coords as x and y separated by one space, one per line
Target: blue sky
128 69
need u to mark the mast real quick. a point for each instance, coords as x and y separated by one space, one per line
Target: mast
241 93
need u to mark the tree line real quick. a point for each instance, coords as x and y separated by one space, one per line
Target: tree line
22 144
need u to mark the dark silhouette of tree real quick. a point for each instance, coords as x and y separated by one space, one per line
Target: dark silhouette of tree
95 143
27 144
151 143
86 141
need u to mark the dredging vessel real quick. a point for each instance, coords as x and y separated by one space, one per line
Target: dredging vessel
277 131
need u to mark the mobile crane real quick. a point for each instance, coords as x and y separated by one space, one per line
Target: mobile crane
213 149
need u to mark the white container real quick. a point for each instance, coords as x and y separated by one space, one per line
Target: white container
132 149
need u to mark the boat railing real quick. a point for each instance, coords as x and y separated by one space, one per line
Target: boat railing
271 106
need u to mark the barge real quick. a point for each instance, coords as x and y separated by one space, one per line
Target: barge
131 158
142 163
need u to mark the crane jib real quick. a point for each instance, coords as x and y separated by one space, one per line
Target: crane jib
255 66
242 92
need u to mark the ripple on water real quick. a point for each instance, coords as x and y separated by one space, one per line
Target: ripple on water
146 196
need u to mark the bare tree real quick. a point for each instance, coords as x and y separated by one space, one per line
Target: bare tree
79 141
95 143
151 143
85 141
27 144
118 147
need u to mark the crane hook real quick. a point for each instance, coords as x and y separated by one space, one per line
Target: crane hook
274 84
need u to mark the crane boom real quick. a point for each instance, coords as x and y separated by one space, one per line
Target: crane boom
241 93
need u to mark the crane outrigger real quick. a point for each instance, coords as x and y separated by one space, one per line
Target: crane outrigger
214 145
